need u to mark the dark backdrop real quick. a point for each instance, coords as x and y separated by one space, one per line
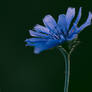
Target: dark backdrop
23 71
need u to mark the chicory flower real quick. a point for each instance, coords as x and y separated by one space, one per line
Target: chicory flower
55 33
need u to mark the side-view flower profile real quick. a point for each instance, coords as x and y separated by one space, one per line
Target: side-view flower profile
55 34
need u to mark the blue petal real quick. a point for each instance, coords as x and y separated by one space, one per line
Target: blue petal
74 27
87 23
47 45
35 41
78 17
42 29
37 34
32 40
69 16
62 23
50 23
33 44
29 44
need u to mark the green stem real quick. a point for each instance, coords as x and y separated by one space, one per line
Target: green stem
67 68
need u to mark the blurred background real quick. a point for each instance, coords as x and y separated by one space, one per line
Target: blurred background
23 71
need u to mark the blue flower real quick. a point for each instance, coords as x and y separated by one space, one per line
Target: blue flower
55 33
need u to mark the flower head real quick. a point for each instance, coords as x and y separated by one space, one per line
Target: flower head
55 33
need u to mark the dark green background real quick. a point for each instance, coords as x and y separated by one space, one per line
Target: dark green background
23 71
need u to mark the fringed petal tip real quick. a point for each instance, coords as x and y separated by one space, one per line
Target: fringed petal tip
36 50
89 20
71 10
26 40
26 45
80 8
49 22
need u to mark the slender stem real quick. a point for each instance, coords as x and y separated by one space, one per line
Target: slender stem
67 68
